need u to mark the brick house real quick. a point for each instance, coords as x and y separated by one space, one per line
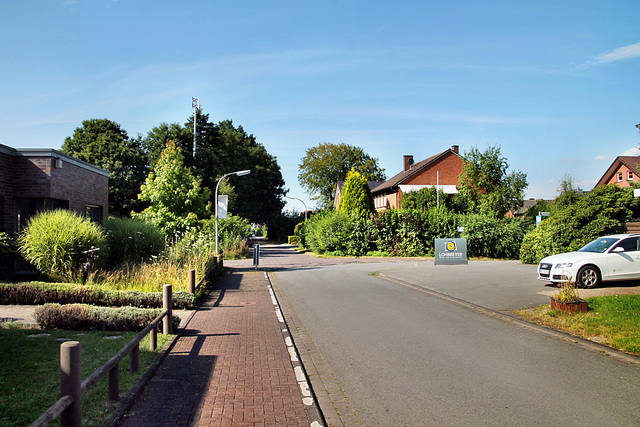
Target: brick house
623 171
440 171
33 180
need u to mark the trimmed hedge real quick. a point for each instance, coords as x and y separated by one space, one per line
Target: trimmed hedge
37 293
83 317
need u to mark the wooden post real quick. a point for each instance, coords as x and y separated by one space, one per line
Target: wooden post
71 382
192 281
153 338
114 383
134 357
167 304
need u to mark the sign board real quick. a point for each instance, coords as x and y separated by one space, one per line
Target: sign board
223 201
450 251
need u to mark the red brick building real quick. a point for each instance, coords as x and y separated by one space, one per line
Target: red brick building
623 171
440 171
33 180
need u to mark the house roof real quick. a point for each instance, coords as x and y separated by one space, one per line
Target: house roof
632 162
414 169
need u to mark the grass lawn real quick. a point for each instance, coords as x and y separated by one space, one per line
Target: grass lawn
611 320
30 372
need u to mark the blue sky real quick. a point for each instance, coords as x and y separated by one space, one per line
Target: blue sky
555 84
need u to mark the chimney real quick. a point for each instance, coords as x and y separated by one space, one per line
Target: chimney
408 161
455 149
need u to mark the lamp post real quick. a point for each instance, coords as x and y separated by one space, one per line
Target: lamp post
305 206
237 173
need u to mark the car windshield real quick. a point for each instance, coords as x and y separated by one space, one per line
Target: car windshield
599 245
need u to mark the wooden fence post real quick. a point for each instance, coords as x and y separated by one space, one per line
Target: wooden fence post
134 358
192 281
114 383
153 339
167 304
71 382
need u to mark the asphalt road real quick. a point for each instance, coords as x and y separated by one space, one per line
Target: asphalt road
402 357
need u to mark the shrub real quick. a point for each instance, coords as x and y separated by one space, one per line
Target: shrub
492 238
130 240
328 232
55 242
292 240
83 317
37 293
603 211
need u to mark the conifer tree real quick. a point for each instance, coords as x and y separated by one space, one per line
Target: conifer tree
356 195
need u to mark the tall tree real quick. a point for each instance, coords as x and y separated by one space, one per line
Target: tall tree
488 186
101 142
356 195
175 196
325 165
222 148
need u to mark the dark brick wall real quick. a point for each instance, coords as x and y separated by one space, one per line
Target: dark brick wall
6 191
81 187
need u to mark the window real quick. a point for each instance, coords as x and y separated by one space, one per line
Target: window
619 176
94 213
629 176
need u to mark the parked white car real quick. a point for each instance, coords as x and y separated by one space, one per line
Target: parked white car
608 258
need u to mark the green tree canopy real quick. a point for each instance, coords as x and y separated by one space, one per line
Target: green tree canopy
175 196
356 195
486 184
222 148
103 143
325 165
424 199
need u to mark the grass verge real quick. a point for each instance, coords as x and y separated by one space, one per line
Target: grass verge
611 320
30 372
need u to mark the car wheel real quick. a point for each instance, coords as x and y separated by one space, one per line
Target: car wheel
588 277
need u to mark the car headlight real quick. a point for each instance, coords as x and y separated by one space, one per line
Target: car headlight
564 265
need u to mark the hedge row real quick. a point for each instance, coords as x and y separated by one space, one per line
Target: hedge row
37 293
409 232
83 317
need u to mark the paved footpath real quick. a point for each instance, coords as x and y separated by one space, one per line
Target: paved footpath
230 367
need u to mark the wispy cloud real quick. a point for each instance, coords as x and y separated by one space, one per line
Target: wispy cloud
602 157
619 54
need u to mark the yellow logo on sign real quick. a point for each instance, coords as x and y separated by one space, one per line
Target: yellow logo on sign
451 246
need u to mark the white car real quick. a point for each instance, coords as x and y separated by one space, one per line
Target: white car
615 257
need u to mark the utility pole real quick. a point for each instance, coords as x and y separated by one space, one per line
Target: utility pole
195 104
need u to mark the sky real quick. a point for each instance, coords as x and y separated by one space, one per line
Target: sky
553 84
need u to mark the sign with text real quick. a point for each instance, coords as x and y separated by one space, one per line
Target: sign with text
450 251
223 201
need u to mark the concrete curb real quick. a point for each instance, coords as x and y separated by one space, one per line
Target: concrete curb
308 396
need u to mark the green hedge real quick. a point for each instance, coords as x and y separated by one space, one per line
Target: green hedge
37 293
83 317
410 232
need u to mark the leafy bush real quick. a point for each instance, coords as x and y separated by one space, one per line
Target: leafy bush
292 240
37 293
603 211
130 240
492 238
55 242
83 317
328 232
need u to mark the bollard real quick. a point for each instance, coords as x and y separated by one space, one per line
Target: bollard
71 382
192 281
167 304
256 255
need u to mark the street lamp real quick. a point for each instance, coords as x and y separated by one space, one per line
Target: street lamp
237 173
305 206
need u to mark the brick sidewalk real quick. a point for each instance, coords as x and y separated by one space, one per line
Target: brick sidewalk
229 368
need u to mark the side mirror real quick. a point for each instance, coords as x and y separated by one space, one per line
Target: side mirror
618 249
